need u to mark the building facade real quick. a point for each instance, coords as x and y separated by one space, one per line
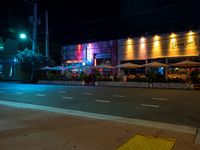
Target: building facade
90 54
9 70
166 48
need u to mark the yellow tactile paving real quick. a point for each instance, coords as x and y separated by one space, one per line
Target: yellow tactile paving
140 142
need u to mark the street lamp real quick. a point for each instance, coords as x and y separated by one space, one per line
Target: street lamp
22 36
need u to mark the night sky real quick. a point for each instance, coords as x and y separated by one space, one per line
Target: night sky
78 21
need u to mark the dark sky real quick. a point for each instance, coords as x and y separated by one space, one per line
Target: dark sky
78 21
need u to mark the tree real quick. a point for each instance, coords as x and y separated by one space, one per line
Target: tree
30 62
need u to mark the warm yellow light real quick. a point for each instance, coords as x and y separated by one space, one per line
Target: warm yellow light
190 33
156 44
156 37
129 41
129 51
173 35
142 39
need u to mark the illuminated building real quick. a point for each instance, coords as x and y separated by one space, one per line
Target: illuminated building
165 48
90 54
172 47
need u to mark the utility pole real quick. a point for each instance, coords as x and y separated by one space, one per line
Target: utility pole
35 23
46 35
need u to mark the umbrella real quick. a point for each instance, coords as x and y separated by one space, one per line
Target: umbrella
69 67
102 66
57 68
45 68
186 63
155 64
128 66
84 67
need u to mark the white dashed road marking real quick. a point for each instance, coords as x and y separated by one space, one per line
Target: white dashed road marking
102 101
149 105
18 93
159 98
87 93
67 97
40 95
121 96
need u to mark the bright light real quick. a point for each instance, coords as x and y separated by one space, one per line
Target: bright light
129 41
173 35
142 39
79 46
90 49
156 37
83 64
22 36
190 33
129 48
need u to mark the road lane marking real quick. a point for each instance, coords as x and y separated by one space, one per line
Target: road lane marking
40 95
139 122
61 91
149 105
68 97
87 93
121 96
19 93
102 101
159 98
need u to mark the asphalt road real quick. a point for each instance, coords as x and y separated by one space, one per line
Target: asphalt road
162 105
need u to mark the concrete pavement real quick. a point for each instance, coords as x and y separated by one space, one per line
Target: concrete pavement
30 129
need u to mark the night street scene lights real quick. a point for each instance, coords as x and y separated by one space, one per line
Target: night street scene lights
23 36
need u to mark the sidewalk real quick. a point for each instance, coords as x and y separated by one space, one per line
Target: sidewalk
28 129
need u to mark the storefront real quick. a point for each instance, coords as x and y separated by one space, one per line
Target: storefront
90 54
165 48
